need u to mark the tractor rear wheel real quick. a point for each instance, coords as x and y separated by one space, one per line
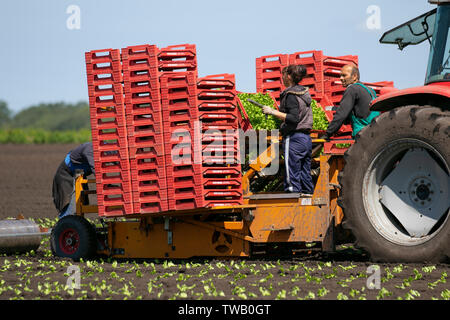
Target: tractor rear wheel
395 186
73 237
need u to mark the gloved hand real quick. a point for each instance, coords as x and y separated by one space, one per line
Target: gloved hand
326 137
267 110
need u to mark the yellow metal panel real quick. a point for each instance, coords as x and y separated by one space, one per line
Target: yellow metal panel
128 240
289 224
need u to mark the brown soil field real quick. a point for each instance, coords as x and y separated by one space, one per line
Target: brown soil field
25 187
27 175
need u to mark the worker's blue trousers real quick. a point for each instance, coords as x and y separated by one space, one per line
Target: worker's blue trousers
297 156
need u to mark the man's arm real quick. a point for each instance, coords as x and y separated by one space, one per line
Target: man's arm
345 108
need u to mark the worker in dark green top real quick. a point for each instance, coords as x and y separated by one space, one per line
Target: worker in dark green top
355 103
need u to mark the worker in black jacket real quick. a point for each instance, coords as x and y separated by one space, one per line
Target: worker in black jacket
354 106
296 113
79 159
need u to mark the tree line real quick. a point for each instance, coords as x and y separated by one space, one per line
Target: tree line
45 123
58 116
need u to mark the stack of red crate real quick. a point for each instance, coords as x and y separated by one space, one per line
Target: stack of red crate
144 127
180 58
178 76
219 115
181 129
109 136
268 74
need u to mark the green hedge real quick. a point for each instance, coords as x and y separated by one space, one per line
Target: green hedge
41 136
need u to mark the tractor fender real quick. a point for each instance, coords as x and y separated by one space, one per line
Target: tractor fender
434 94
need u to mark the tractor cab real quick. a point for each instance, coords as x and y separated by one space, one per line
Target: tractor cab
432 26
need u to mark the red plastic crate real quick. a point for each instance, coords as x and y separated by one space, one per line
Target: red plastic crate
205 94
178 79
178 119
147 144
219 160
222 184
103 68
270 67
150 85
178 172
270 74
151 202
220 137
221 203
143 125
181 51
224 171
113 208
181 66
217 106
223 81
184 201
272 61
340 61
140 63
148 184
151 108
101 55
306 57
139 51
223 194
100 90
227 118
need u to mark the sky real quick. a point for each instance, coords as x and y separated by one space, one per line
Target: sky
43 42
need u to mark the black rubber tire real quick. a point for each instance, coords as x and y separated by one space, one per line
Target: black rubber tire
84 231
428 124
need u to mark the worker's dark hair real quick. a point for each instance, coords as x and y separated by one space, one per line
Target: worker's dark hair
297 72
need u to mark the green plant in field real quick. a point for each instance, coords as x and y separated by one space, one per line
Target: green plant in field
322 292
442 279
398 269
389 275
341 296
281 295
240 292
445 294
428 269
411 294
383 293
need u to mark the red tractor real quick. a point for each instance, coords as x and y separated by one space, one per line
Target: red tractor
395 183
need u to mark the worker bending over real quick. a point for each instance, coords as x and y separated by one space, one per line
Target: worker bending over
80 158
355 103
296 114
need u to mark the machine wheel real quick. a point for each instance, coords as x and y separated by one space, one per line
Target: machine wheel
73 237
395 186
